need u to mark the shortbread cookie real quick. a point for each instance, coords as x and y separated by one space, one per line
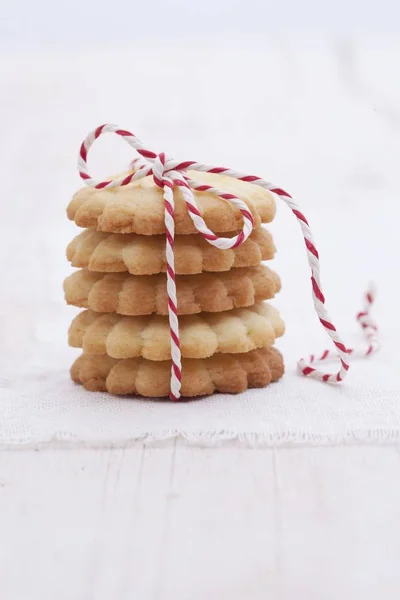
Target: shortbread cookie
139 207
143 255
134 295
221 373
238 330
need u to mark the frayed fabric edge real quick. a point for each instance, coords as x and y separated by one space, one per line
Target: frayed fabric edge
212 439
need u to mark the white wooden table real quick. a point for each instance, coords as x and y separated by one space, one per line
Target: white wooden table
177 522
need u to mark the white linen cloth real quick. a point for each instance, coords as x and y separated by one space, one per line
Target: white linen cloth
327 133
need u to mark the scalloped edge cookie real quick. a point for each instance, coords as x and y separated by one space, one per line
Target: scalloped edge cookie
141 255
139 207
135 295
224 373
235 331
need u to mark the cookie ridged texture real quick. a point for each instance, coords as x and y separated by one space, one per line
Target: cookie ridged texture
139 207
134 295
236 331
221 373
142 255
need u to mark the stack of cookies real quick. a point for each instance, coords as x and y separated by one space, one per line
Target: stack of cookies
226 330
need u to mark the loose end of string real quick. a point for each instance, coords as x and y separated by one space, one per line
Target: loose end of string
370 330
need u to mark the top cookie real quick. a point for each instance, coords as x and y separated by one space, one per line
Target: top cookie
139 207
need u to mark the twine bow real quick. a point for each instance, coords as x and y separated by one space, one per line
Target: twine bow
168 173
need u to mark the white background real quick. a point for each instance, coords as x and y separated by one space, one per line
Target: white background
78 24
305 94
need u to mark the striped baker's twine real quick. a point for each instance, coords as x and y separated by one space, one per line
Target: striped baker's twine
168 173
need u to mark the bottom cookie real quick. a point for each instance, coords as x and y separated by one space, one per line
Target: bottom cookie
220 373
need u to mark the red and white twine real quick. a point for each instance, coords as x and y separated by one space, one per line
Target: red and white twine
168 173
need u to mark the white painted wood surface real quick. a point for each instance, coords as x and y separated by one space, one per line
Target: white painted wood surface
178 522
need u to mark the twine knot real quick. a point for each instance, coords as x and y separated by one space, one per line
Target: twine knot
163 168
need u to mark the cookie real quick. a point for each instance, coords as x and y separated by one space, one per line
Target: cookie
142 255
221 373
134 295
139 207
238 330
